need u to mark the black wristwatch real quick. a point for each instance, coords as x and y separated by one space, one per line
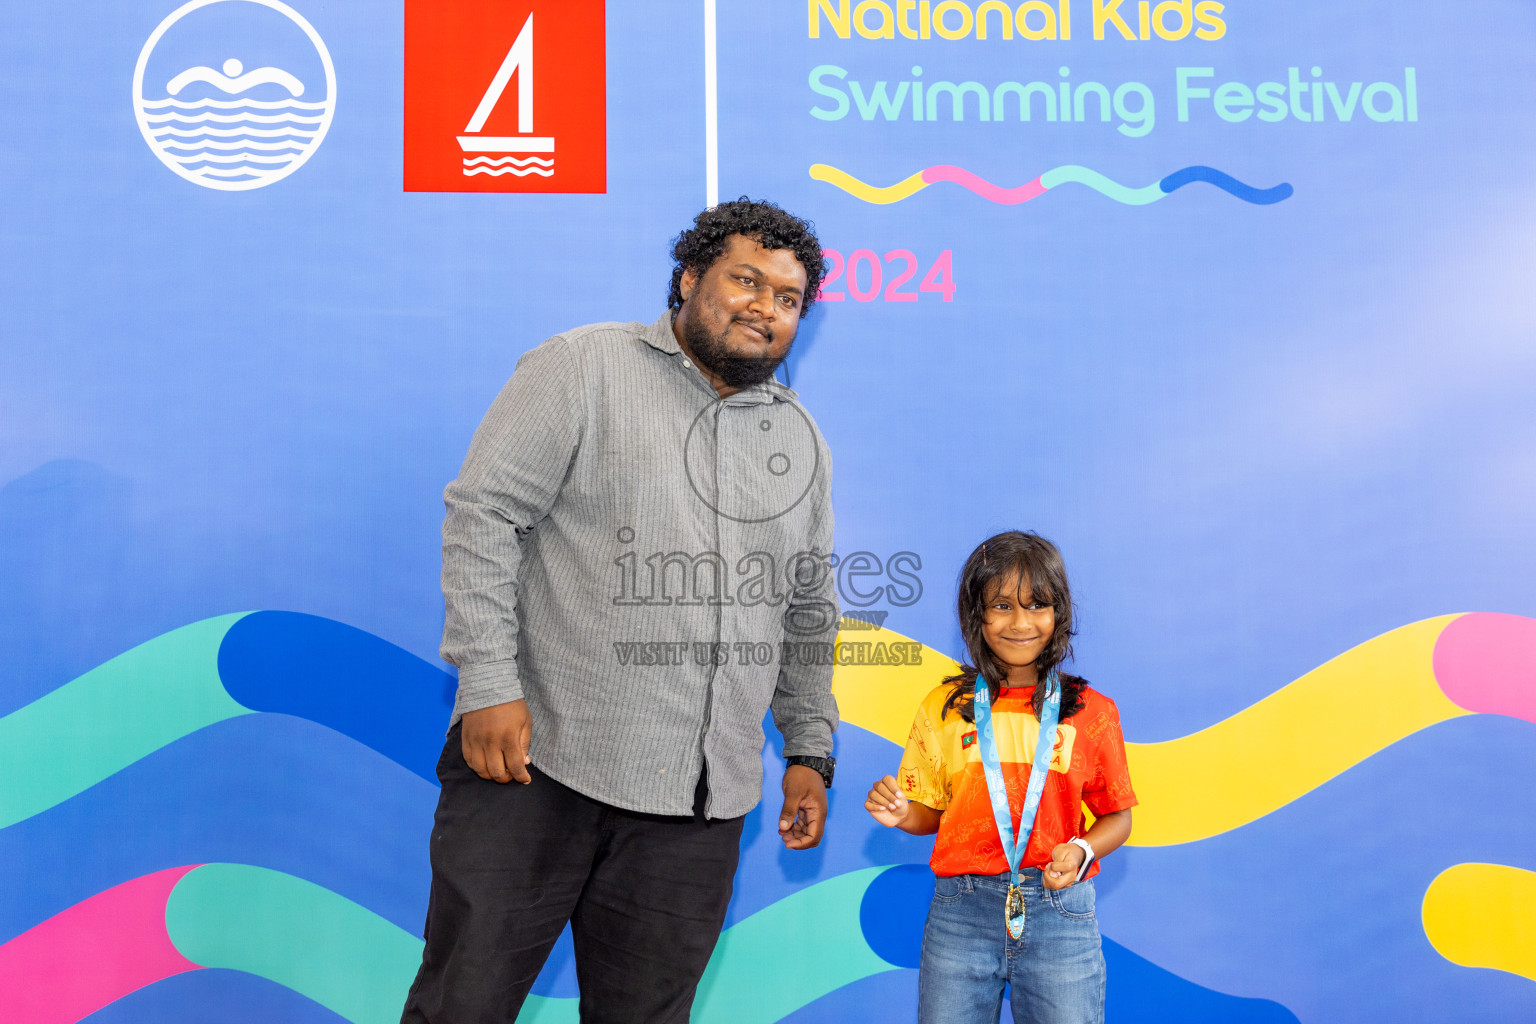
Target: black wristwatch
821 765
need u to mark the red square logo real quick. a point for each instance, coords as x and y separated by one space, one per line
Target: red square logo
505 96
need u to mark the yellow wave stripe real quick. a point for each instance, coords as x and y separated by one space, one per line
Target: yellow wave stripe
1239 769
1484 915
883 699
1292 741
869 193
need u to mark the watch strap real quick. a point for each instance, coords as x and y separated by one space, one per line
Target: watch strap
1088 858
824 766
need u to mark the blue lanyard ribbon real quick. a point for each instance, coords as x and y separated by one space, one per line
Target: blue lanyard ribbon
991 763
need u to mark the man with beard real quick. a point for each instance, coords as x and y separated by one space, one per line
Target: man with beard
634 571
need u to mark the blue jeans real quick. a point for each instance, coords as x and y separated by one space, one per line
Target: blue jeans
1056 970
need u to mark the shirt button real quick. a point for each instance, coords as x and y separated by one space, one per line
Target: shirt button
687 363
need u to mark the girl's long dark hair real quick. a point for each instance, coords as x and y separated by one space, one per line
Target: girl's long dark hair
1035 563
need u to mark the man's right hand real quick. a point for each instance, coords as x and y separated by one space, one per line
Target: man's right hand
495 741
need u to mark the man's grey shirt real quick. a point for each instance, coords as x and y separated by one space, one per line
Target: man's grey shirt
646 564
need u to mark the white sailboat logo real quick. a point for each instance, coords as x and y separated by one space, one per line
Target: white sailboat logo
229 128
516 149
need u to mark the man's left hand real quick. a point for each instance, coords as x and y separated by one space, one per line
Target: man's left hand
805 807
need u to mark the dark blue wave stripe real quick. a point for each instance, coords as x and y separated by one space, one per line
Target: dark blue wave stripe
1227 183
1139 990
270 790
364 687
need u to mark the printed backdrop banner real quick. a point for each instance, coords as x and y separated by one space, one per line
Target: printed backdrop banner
1230 300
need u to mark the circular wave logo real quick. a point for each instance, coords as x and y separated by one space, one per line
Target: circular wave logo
234 94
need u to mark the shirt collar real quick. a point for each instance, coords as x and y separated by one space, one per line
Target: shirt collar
660 337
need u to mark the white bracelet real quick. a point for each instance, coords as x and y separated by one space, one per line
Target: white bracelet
1088 850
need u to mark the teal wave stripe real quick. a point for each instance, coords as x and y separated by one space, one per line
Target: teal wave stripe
358 965
120 711
789 954
549 1010
1076 174
297 934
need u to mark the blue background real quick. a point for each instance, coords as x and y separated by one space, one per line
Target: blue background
1261 435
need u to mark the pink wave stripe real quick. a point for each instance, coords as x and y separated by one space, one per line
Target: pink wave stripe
92 954
1486 662
981 186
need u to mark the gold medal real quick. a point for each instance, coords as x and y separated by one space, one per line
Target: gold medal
1013 911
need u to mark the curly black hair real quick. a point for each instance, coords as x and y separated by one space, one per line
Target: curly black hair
1023 559
698 248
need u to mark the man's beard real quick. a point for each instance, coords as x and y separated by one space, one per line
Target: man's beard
733 370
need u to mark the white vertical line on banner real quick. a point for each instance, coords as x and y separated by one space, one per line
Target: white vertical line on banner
711 110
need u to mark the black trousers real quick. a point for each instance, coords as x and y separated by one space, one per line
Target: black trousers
645 895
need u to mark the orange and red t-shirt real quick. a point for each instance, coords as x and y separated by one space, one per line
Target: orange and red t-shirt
941 767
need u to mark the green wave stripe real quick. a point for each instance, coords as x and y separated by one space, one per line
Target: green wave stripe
296 933
1098 182
358 965
96 725
790 953
549 1010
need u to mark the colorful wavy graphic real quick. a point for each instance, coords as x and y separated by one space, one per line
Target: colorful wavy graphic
274 790
348 943
355 963
92 954
358 965
211 671
283 662
1057 176
1484 915
1412 678
232 916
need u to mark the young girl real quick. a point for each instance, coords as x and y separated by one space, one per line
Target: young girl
1013 900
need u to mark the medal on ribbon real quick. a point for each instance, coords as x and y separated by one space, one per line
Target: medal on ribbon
991 763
